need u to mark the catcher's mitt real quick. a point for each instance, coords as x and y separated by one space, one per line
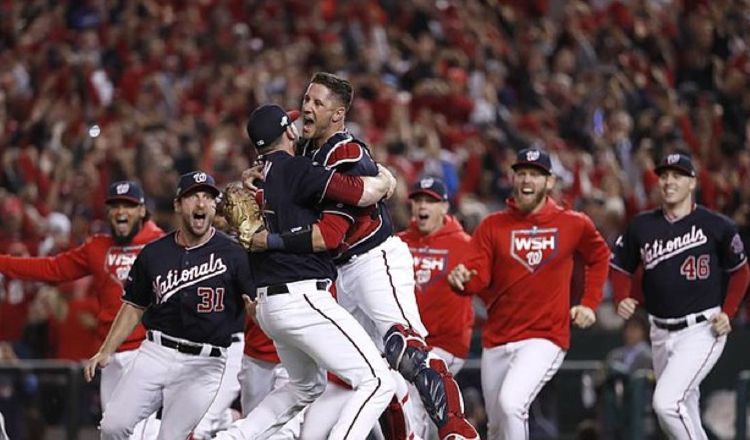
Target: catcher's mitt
241 212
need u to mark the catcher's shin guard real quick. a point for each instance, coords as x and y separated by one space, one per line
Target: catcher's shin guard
408 353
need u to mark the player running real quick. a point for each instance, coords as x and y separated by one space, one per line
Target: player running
523 257
687 253
186 287
108 258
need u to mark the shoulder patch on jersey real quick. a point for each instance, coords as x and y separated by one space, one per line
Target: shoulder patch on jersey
345 152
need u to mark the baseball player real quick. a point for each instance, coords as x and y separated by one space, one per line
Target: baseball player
523 257
186 287
438 242
688 255
108 258
311 332
375 271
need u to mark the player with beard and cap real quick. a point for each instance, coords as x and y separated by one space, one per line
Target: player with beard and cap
520 265
108 258
187 287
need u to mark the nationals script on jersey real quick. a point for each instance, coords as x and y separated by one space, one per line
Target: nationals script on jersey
685 262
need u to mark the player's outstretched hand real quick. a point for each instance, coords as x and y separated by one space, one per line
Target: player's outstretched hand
99 360
721 324
250 307
582 316
459 276
626 308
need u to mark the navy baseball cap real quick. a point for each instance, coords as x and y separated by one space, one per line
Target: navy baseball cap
676 161
267 123
125 190
195 180
533 157
432 186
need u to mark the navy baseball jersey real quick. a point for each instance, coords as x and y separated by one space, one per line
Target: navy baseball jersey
191 293
289 197
372 224
684 262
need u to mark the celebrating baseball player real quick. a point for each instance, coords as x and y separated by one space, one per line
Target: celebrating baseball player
375 269
108 258
438 242
312 333
524 257
187 287
687 253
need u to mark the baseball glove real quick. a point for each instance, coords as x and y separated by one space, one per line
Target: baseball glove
241 212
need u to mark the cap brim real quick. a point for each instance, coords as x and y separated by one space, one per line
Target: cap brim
196 186
428 192
518 165
682 170
123 199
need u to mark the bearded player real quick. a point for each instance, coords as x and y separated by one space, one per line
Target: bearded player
523 257
108 258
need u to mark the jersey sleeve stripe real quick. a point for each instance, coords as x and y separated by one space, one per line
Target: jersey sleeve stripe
325 188
339 213
616 267
737 267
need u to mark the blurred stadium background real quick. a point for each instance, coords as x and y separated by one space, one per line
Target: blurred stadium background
97 90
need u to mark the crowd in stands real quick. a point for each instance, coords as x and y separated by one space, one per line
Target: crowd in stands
96 91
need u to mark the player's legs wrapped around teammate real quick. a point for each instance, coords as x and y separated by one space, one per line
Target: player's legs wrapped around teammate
408 353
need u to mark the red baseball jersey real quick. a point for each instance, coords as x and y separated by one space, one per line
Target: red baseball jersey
448 317
525 264
100 256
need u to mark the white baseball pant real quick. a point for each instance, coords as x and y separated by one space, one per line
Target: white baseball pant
257 379
377 288
184 385
682 359
323 414
380 282
219 415
423 426
312 334
146 429
512 376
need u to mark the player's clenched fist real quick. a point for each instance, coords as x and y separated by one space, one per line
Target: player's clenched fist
582 316
459 276
99 360
721 324
626 308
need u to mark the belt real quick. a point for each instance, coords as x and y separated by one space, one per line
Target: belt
278 289
183 347
678 325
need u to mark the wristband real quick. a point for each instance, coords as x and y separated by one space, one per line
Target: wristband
274 242
298 242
